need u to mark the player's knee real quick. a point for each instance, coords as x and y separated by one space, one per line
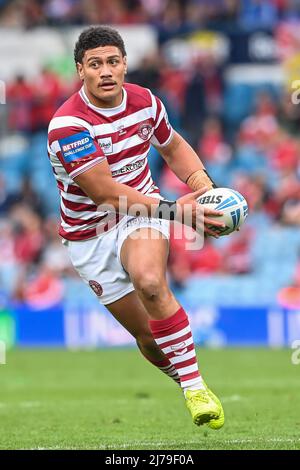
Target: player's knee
150 285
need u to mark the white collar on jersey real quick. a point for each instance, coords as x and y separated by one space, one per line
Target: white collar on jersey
106 111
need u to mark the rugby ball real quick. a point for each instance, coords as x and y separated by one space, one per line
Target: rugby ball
233 205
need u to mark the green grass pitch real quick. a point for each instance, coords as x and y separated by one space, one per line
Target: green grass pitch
114 399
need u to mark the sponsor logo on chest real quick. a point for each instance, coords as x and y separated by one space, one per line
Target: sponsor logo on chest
128 168
106 145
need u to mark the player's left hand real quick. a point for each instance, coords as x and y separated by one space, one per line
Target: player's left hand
196 215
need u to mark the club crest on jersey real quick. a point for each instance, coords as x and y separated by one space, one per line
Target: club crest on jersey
144 130
97 288
77 146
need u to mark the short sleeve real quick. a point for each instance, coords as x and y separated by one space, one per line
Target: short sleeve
163 131
71 140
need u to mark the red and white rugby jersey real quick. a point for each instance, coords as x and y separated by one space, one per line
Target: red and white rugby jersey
81 135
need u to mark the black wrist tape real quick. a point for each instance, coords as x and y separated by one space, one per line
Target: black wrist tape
212 181
166 210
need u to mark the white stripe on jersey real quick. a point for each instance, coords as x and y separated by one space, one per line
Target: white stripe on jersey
126 121
133 174
74 198
148 186
79 228
60 173
127 161
154 102
85 167
54 147
66 121
84 215
160 117
148 175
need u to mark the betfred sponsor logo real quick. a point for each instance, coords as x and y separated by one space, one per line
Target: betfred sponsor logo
77 146
74 145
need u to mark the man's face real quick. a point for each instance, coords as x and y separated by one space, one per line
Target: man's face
102 71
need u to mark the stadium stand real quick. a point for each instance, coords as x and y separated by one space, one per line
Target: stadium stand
245 130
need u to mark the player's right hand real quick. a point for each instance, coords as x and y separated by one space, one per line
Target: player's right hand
191 213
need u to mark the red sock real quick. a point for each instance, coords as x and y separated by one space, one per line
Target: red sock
166 367
173 335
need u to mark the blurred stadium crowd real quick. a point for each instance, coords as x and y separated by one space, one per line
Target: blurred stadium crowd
247 136
169 15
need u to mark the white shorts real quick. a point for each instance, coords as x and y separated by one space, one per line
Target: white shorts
98 262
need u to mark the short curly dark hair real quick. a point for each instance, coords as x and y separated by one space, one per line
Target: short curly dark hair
97 36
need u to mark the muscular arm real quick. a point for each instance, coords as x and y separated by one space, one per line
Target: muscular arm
184 162
99 185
